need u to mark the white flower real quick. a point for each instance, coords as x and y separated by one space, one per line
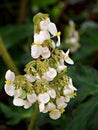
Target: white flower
50 106
72 43
41 37
36 51
51 27
45 52
19 96
32 97
43 98
52 93
44 24
61 67
9 86
72 40
17 93
44 110
53 30
67 92
50 75
10 76
41 107
71 85
62 105
59 100
67 98
20 93
9 89
30 77
18 102
55 114
67 58
27 104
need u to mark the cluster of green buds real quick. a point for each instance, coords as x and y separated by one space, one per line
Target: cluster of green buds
45 80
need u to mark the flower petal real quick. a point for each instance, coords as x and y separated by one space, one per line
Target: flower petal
44 24
32 97
55 114
17 93
71 85
36 51
41 37
67 92
60 100
61 67
27 104
51 73
50 106
52 93
67 98
30 77
20 93
58 42
18 102
69 60
45 52
41 107
10 76
43 98
62 105
67 53
52 29
9 89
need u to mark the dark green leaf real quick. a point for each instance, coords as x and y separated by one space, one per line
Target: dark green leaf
82 114
12 34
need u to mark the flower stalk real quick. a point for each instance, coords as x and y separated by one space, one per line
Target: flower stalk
6 57
34 117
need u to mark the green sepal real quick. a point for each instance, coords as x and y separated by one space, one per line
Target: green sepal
36 19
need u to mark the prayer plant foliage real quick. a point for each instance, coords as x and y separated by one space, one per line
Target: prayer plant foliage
45 80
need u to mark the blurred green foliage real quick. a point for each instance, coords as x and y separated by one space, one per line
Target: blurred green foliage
17 35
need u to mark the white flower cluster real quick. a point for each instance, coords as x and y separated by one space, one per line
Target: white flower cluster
72 37
47 30
45 81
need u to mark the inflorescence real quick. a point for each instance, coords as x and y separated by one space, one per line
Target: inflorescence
45 80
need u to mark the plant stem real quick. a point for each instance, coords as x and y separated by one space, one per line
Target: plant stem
62 12
97 2
22 12
33 119
6 57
